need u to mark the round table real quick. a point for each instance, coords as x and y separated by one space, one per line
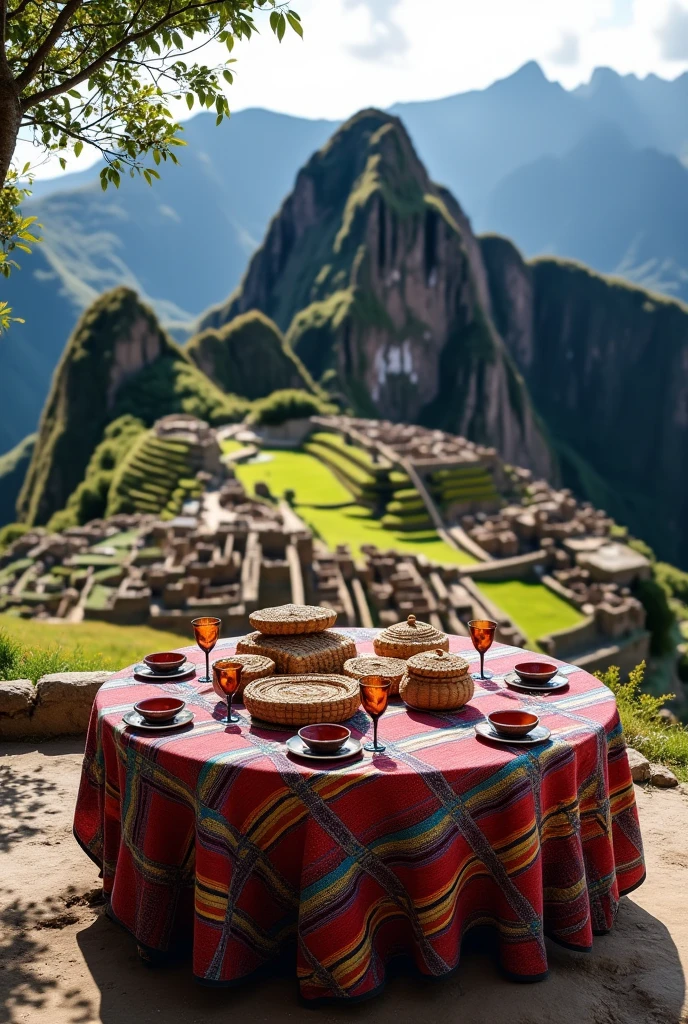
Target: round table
213 838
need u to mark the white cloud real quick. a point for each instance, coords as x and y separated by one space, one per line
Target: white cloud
673 34
456 45
568 51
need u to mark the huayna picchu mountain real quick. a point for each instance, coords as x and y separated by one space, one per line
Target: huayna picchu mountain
373 273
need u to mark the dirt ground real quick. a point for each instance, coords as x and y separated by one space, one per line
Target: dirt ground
63 962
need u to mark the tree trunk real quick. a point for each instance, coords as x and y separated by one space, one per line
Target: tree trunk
10 120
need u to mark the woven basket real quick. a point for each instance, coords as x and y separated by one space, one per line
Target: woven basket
303 700
292 619
437 665
312 652
255 666
436 694
370 665
408 638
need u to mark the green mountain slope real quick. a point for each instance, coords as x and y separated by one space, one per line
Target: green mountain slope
248 357
13 467
606 364
118 361
373 272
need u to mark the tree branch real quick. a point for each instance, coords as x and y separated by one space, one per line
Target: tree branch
96 65
48 43
18 9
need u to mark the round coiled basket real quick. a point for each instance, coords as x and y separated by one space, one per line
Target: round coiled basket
303 699
391 669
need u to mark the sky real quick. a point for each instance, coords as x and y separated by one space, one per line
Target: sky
358 53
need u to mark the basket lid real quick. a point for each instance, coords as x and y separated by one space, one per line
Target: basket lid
290 619
437 665
251 663
413 631
374 665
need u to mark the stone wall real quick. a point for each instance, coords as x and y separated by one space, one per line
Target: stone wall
58 705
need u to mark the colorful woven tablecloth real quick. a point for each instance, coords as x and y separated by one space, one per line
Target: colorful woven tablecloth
213 837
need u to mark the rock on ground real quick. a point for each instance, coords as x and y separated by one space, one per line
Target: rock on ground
639 765
63 962
661 776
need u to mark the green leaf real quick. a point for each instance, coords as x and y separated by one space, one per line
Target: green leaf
281 27
78 146
189 100
103 183
63 163
274 20
295 23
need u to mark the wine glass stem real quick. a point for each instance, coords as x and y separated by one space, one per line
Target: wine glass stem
375 720
482 664
229 707
207 664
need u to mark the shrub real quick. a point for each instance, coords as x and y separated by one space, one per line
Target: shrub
20 662
643 727
290 404
660 617
10 533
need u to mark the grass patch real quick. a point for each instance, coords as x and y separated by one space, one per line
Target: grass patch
310 479
645 731
532 607
29 650
356 526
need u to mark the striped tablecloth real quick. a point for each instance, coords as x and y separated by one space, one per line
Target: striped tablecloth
213 838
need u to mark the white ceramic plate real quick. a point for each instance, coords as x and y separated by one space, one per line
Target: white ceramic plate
137 721
296 746
539 735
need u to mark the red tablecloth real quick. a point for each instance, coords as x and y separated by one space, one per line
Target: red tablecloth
215 836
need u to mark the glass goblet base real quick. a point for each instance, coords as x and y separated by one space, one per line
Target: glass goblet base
230 719
204 679
375 748
486 675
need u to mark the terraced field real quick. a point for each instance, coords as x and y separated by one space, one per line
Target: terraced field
329 508
534 608
155 477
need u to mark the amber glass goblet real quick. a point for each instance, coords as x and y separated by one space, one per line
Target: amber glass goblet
228 677
482 634
374 698
206 633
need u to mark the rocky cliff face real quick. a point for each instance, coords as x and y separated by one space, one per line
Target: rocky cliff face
607 368
374 274
117 361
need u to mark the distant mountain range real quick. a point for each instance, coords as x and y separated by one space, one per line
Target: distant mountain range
593 174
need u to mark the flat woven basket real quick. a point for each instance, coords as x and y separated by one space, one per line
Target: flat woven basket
311 652
407 638
303 699
255 666
292 619
372 665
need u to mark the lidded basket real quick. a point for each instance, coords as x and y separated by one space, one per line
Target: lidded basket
404 639
436 681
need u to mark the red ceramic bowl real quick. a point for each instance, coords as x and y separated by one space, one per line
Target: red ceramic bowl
513 723
164 662
537 672
324 739
159 709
